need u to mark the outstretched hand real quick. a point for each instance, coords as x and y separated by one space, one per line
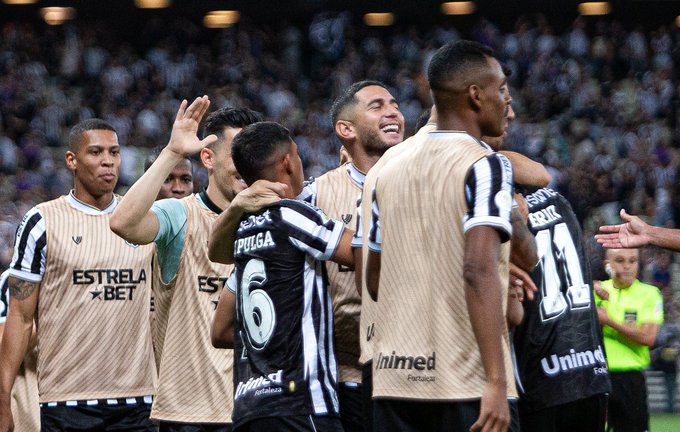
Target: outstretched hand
630 234
184 140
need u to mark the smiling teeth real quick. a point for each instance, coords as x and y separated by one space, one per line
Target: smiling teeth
391 128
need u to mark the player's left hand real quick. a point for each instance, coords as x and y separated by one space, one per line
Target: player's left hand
183 139
494 413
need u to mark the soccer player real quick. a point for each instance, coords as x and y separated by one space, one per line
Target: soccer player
631 313
634 233
195 382
367 122
562 371
444 362
88 291
285 374
180 181
25 406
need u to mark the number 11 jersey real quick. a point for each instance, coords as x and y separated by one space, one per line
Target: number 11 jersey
284 359
558 347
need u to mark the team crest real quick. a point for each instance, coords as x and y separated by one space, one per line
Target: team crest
77 239
346 218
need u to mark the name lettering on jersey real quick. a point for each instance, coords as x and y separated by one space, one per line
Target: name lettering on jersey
210 284
540 196
254 242
555 365
114 284
255 220
263 385
395 361
544 217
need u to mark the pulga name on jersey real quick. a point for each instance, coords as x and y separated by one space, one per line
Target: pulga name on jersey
110 284
262 240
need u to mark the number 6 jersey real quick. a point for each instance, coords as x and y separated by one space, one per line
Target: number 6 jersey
284 360
558 346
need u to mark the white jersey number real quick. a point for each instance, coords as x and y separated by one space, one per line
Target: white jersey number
558 256
257 307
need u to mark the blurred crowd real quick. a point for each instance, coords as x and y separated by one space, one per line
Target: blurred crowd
598 103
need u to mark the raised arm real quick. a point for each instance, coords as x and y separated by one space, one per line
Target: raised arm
260 194
634 233
133 219
15 341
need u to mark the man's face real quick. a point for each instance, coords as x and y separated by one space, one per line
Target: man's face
377 120
495 101
95 163
179 183
496 143
227 179
625 264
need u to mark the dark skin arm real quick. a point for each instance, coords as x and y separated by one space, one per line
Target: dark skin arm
373 273
222 329
485 308
23 302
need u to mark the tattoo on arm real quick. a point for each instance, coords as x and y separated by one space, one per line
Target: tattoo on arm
522 235
21 289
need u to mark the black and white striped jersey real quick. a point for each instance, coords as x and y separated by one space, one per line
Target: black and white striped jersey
284 359
558 346
30 247
4 296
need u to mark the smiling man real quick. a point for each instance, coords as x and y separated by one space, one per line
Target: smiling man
368 122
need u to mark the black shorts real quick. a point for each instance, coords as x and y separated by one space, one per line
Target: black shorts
166 426
367 395
350 396
413 416
97 418
303 423
628 402
583 415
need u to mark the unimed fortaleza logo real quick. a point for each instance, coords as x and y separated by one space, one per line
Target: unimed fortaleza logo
396 361
110 284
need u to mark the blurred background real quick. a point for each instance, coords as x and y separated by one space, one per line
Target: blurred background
596 88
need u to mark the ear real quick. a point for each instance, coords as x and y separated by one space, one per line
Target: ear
286 163
345 130
475 95
71 161
207 158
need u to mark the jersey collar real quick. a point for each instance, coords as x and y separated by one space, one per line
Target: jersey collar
357 176
203 197
88 209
